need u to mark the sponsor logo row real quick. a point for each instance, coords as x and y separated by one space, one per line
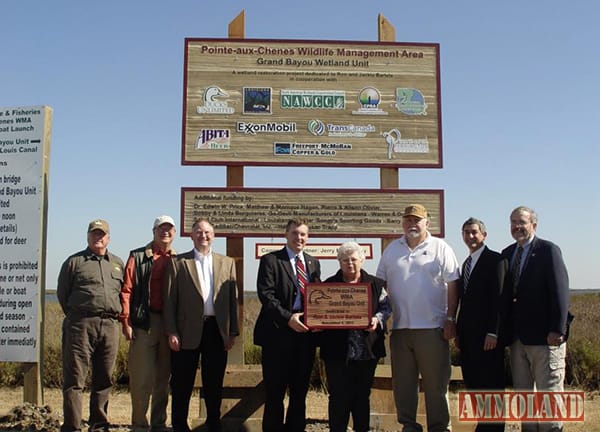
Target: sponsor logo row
220 139
259 100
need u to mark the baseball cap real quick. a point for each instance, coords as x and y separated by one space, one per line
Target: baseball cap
163 219
99 224
416 210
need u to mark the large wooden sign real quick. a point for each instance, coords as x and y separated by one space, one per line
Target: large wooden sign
253 212
311 103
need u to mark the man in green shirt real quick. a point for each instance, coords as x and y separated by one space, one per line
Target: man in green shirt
88 290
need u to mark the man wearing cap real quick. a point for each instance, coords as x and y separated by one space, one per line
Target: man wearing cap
201 319
149 355
422 278
88 290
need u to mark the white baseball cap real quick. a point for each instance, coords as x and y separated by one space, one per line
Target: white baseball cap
163 219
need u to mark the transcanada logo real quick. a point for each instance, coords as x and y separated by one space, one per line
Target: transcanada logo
270 127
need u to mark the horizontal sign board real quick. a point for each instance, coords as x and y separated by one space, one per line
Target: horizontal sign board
311 103
258 212
317 250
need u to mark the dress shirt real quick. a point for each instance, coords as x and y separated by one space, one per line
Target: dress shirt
297 306
475 257
204 265
161 258
526 249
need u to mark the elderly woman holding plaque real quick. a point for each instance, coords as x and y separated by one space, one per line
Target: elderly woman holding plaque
351 355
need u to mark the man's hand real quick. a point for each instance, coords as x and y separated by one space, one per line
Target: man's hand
449 329
174 343
555 338
490 342
229 342
295 324
128 332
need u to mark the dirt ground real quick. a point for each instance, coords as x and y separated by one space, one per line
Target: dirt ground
119 408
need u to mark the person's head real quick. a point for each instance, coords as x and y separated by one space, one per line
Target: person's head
164 231
473 233
203 234
351 257
296 234
98 236
415 222
523 223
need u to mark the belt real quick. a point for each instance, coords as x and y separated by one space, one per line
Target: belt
86 314
208 317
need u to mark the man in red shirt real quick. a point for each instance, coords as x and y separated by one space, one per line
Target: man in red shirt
149 354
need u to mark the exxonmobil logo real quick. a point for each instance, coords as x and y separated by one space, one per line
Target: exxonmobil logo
519 406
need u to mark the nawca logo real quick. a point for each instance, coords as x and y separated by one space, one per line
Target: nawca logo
316 127
212 102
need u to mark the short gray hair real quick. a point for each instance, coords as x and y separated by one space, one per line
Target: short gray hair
475 221
349 248
533 215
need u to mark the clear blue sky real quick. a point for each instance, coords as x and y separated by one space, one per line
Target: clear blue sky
520 111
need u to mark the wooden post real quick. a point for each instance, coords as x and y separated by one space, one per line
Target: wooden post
237 29
235 246
388 177
33 391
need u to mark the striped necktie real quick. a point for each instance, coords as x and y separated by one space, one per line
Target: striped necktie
516 269
467 272
301 275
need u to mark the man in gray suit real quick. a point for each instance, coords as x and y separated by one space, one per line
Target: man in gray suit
201 318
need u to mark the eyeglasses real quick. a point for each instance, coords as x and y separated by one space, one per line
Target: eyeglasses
350 260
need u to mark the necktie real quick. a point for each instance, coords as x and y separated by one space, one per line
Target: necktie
301 275
467 272
516 269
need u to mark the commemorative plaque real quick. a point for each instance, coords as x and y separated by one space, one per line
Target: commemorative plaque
337 306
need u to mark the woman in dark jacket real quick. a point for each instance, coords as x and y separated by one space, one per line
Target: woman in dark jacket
351 356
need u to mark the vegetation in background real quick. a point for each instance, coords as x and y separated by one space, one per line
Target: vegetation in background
583 349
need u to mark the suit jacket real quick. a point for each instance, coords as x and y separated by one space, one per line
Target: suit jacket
183 309
479 312
276 286
539 303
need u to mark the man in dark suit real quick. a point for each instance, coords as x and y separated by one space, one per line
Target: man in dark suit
537 287
288 346
200 315
481 352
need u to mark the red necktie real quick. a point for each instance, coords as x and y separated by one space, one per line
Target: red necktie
301 275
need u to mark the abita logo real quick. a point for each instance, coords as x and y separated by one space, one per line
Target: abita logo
316 127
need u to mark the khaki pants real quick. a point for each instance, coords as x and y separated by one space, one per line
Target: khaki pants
425 352
149 372
538 367
88 342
